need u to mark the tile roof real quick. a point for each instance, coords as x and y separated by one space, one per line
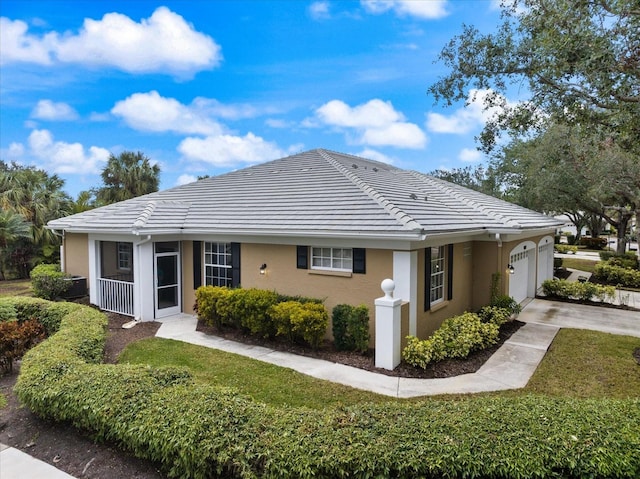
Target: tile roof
318 192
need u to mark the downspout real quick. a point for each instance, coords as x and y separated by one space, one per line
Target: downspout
138 282
62 255
499 261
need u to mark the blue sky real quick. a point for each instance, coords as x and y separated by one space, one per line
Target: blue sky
205 87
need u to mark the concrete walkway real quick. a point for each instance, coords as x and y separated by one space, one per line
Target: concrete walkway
15 464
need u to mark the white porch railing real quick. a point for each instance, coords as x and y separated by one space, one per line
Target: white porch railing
115 296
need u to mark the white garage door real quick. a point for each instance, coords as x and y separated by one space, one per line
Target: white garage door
519 280
545 263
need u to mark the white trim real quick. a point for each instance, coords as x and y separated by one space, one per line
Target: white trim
405 277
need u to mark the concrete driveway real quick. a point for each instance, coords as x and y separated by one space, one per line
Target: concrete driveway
580 316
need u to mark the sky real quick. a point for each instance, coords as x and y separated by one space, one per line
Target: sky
206 87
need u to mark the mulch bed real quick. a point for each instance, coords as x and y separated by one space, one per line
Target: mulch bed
443 369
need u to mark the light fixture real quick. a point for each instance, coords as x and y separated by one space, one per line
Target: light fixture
263 268
511 269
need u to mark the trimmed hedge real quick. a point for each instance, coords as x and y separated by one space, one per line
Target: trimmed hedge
626 260
593 243
48 281
195 430
617 275
351 327
563 289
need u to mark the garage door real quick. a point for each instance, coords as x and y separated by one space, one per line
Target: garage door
519 280
545 263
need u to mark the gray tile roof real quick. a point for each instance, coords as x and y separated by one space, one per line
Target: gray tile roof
318 192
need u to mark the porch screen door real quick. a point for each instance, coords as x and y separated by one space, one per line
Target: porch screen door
167 278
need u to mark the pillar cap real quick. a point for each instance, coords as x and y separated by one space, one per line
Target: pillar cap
388 286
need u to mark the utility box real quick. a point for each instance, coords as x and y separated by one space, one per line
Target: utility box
78 287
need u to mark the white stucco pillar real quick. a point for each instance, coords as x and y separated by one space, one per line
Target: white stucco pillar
94 268
405 277
388 327
144 280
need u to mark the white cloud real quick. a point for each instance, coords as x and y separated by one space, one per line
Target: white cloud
469 155
431 9
53 111
279 123
319 10
375 122
184 179
163 43
17 46
375 155
152 112
471 117
228 150
61 157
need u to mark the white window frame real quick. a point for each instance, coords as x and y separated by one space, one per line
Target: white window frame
125 253
438 279
217 255
332 259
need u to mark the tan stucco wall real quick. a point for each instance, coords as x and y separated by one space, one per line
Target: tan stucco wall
485 262
283 277
188 293
76 254
429 321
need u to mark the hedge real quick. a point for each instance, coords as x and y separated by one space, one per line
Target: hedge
194 430
617 275
563 289
48 282
351 327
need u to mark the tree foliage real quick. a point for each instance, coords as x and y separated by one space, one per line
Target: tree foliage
126 176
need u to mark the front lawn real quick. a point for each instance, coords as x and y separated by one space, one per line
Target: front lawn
16 287
579 264
580 364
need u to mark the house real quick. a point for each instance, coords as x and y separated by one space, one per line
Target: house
320 224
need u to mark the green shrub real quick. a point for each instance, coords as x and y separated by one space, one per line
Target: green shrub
48 282
557 263
563 289
593 243
566 249
617 275
207 298
7 312
194 430
300 321
627 260
252 307
457 337
494 315
351 327
506 302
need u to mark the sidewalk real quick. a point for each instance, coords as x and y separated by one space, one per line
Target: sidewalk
15 464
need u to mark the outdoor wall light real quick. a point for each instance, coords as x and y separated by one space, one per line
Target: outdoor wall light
263 268
511 269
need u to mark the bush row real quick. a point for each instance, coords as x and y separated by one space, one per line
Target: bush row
263 313
617 275
566 248
593 243
457 337
194 430
563 289
48 282
16 339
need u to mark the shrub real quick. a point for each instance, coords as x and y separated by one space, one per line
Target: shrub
566 249
16 339
252 308
494 315
506 302
593 243
628 260
300 321
351 327
563 289
457 337
7 312
48 282
571 239
194 430
617 275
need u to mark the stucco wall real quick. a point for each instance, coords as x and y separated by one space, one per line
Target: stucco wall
188 292
335 288
463 261
485 263
76 254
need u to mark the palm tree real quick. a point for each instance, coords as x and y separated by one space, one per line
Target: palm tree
126 176
13 227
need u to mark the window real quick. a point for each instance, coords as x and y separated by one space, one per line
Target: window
336 259
436 290
125 253
217 264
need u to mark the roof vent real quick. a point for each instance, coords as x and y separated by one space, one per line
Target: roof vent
413 196
354 166
375 169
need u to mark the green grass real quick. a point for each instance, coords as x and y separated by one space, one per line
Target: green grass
580 364
17 287
3 401
588 364
580 264
262 381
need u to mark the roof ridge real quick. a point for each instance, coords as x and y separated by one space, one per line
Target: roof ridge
401 216
453 191
145 215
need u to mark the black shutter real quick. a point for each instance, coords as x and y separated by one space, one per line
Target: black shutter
197 264
427 279
302 257
450 272
235 265
359 260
